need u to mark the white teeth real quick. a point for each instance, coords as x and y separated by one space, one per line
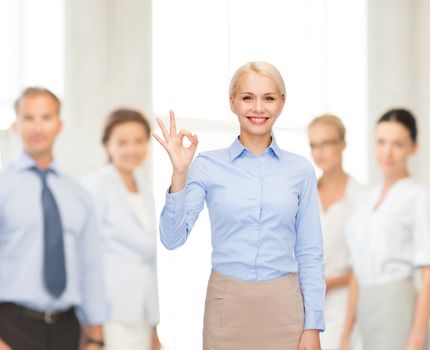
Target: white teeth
259 120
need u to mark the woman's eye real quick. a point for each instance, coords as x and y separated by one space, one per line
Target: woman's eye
270 98
246 98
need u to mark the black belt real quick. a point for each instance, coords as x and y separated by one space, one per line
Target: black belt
49 317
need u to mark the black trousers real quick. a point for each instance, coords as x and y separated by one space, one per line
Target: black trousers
25 329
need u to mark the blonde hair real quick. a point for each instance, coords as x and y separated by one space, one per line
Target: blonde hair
332 120
262 68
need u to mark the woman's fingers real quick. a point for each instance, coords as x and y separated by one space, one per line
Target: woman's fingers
173 141
186 133
172 123
192 138
163 129
160 140
194 142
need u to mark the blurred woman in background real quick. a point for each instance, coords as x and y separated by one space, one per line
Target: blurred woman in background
128 226
337 193
389 239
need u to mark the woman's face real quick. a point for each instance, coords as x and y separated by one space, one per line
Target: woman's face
326 146
257 103
128 146
393 147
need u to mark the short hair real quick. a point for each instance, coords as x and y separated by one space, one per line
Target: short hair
332 120
404 117
36 90
121 116
262 68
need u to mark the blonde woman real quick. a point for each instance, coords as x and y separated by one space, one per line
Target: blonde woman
389 240
266 289
338 192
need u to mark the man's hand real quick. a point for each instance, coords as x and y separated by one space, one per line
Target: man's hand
93 332
91 347
4 346
310 340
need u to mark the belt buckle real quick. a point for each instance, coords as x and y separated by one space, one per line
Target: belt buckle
48 317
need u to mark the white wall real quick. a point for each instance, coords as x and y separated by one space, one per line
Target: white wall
108 65
421 83
399 73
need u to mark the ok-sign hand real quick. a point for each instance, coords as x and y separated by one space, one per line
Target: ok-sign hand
180 156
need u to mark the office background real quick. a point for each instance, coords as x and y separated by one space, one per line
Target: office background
352 58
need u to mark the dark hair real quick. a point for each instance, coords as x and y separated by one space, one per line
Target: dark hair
36 90
121 116
404 117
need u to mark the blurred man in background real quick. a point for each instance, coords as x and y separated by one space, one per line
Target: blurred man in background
50 266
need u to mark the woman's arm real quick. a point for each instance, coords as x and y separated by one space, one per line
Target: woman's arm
337 281
185 198
350 313
422 311
309 255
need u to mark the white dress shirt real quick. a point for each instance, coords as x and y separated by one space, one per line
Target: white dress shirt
388 242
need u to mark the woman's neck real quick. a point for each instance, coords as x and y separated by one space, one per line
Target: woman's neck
257 144
128 179
390 180
333 178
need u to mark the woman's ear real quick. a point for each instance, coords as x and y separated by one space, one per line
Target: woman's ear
283 98
232 107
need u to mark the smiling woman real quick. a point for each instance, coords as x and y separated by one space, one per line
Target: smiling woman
266 249
257 97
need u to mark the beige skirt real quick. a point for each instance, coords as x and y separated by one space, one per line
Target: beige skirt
253 315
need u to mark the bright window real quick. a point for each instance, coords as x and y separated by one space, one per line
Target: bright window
32 47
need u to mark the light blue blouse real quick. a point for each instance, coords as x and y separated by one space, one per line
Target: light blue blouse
264 217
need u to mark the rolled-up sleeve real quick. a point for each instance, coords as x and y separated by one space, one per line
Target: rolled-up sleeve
309 252
182 208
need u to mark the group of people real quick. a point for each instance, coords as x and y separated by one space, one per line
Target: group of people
77 255
376 240
297 262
